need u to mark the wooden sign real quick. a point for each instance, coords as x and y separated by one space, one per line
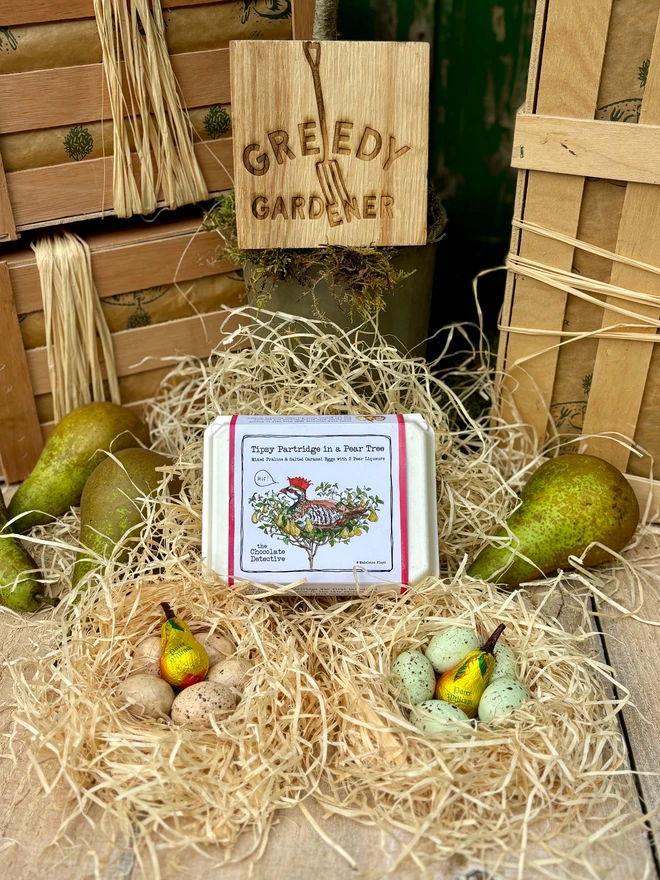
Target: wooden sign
330 142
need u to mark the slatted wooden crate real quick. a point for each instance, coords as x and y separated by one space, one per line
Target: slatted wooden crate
126 257
41 100
587 143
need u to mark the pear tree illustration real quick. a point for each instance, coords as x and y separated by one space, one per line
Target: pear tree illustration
335 516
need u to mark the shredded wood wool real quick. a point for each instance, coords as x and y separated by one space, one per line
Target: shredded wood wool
319 722
147 111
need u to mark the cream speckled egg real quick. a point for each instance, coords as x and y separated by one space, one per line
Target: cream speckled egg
232 672
443 716
217 644
502 697
194 706
148 696
506 665
447 648
416 675
147 656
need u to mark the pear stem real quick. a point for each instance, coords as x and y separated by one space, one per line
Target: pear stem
169 614
489 645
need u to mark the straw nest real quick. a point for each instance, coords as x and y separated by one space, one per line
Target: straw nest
319 718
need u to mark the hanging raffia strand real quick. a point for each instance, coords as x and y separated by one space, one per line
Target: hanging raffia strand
75 323
146 109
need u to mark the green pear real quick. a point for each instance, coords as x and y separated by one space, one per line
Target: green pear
110 504
19 585
568 503
76 446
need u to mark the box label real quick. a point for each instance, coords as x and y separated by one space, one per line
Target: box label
318 499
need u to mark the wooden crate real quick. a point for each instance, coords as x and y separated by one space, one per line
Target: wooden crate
127 257
587 145
37 100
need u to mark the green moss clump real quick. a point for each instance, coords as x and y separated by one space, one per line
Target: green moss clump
359 279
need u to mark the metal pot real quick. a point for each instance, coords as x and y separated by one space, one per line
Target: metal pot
405 317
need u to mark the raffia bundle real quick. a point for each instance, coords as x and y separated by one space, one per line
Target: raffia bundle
74 323
144 100
320 721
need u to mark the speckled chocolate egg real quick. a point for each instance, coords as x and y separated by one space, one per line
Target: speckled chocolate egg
147 656
194 706
148 696
416 675
501 698
445 716
506 665
217 645
447 648
232 672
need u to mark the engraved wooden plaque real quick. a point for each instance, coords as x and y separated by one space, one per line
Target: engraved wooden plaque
330 142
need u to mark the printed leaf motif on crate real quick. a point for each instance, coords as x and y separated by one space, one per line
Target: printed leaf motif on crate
627 109
139 298
78 143
8 42
217 122
275 10
569 415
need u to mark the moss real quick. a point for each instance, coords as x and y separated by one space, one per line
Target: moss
359 279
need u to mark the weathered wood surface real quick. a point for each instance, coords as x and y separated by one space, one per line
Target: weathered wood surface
587 148
634 652
29 821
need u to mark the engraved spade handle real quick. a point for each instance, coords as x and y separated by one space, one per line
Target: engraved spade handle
313 55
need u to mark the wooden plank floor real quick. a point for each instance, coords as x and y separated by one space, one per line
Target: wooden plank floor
29 821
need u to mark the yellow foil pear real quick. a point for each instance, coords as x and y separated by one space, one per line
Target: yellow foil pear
183 661
465 683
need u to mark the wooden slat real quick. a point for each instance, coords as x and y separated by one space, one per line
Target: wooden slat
40 99
14 12
588 147
60 193
633 652
20 438
574 50
621 368
7 225
139 349
521 187
303 19
134 267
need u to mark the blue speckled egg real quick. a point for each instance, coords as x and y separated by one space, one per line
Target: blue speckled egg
506 665
501 698
416 675
447 648
444 717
